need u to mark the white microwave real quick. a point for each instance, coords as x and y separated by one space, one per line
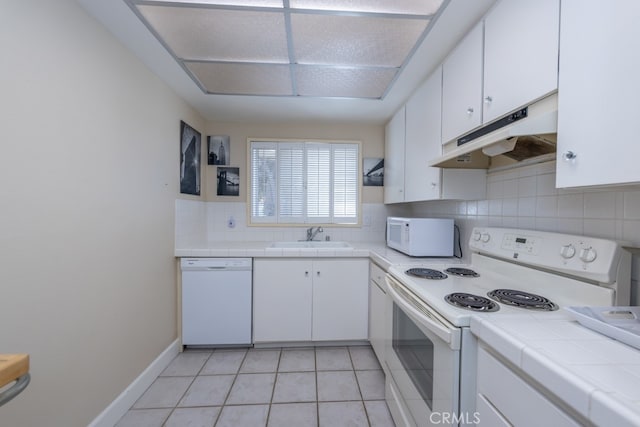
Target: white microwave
421 236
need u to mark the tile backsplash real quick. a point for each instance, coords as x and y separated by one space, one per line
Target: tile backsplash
198 223
526 197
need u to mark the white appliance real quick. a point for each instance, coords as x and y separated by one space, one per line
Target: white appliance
216 301
431 353
421 236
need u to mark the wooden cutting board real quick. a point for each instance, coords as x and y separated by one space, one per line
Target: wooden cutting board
12 366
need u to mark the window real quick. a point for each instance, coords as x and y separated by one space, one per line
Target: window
304 182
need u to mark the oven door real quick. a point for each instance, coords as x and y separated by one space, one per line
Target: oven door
423 357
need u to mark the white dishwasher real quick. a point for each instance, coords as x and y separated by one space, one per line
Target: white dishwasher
216 301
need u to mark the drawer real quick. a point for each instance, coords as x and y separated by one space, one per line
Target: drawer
377 275
514 398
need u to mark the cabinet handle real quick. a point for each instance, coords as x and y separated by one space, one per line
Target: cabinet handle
318 273
434 185
569 155
488 100
469 111
306 274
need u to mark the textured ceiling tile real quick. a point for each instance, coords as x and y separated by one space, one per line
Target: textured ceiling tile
410 7
243 79
351 40
213 34
343 81
246 3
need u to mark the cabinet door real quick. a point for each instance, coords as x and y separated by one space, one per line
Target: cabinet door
462 87
423 140
520 54
394 158
282 292
598 93
340 299
377 311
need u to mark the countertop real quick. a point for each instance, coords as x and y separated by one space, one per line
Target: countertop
597 376
377 251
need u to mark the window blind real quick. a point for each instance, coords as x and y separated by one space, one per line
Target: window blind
304 182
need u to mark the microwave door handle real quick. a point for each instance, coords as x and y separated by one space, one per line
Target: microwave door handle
428 317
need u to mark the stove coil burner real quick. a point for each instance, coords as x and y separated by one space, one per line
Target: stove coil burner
462 272
427 273
471 302
522 299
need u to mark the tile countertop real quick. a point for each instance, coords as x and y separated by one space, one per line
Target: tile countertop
596 376
377 251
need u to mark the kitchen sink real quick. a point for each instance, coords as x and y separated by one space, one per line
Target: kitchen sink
310 245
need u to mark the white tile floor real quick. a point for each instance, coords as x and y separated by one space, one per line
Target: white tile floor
322 386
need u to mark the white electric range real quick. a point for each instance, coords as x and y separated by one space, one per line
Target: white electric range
431 353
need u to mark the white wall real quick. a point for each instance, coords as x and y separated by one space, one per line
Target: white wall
89 178
526 197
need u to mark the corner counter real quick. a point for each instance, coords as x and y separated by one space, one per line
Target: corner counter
594 375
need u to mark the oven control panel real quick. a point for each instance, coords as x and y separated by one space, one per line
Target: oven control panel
588 257
520 243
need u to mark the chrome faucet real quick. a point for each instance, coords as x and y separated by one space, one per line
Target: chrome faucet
311 234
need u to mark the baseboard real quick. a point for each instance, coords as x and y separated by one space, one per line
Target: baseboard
112 413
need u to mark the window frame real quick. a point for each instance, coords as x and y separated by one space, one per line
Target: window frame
306 222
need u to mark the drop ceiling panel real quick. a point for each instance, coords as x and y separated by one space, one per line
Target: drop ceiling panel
245 3
343 81
354 40
411 7
243 79
222 35
295 48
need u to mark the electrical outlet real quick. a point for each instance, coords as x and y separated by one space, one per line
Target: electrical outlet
366 220
231 222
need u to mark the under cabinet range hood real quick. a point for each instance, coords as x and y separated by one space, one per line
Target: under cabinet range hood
526 135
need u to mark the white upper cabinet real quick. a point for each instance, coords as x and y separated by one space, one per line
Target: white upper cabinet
422 140
409 178
598 93
462 86
394 158
520 54
497 68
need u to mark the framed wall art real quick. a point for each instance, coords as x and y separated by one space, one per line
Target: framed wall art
228 181
219 150
372 171
189 160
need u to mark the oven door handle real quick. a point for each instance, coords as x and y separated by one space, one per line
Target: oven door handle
419 310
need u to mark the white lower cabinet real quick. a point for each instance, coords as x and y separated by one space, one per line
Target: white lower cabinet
505 398
377 311
310 299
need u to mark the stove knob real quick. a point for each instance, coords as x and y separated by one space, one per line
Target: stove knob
588 254
476 236
485 237
567 251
